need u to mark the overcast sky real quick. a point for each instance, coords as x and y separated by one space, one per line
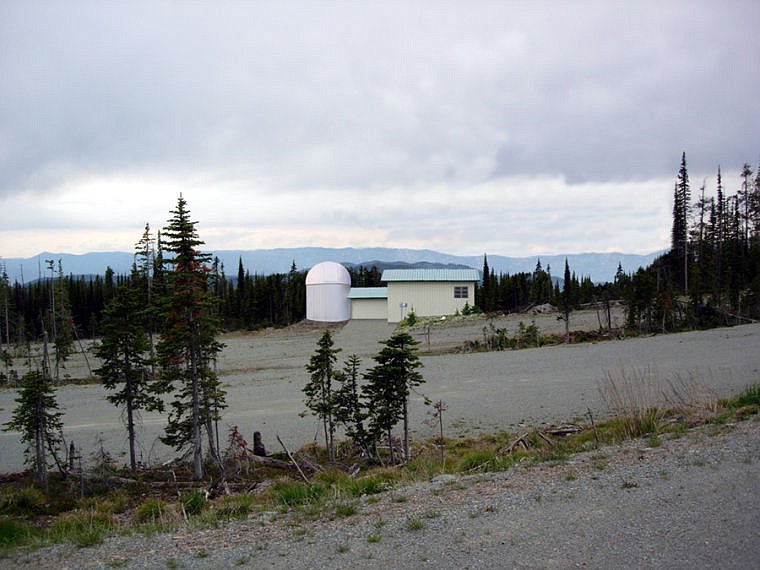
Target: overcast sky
513 128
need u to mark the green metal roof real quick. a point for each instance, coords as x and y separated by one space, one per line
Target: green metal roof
368 293
430 275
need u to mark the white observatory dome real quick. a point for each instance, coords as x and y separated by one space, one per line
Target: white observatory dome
327 287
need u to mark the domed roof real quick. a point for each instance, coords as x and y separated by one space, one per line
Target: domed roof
328 272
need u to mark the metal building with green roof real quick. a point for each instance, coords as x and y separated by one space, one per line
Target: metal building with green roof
427 292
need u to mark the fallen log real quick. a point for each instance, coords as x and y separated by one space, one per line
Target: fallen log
511 447
269 461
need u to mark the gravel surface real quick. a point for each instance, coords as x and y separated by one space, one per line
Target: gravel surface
693 502
263 374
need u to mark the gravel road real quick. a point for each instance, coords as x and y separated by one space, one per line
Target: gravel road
693 502
264 374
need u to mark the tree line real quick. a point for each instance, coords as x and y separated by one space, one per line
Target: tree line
75 303
711 274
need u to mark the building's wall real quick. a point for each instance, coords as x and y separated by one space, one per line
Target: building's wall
426 298
328 302
369 309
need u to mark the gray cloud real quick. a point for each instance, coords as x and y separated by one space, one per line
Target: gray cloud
361 97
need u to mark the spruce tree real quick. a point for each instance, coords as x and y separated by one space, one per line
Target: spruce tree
388 385
318 391
125 354
188 347
37 418
486 296
680 231
347 406
566 301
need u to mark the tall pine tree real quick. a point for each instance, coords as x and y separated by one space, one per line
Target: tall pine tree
188 347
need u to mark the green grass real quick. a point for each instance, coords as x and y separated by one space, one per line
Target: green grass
293 494
152 510
345 509
235 506
750 396
414 525
16 533
83 528
194 502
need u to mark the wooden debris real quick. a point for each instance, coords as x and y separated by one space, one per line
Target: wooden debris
511 447
305 478
564 430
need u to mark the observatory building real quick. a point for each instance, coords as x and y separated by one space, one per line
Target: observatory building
327 287
428 292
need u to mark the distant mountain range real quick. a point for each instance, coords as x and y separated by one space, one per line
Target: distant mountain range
600 267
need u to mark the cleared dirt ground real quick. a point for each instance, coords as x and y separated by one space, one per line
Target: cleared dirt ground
264 373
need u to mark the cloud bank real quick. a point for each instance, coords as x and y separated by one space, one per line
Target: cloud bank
503 127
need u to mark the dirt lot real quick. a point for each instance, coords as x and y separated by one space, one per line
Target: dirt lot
264 373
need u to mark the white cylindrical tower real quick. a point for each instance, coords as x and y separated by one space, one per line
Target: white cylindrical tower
327 287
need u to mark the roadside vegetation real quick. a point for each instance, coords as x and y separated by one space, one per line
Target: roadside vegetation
106 499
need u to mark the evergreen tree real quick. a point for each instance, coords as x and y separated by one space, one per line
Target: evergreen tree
680 231
125 354
145 262
566 302
388 385
37 418
347 407
188 346
318 391
486 296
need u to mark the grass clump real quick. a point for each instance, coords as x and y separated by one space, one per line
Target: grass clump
83 528
345 509
194 502
293 494
235 506
414 525
153 511
369 485
746 403
15 533
25 501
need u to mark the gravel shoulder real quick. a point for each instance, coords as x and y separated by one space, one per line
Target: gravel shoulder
692 502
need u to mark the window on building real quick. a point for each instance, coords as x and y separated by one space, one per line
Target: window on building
460 292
